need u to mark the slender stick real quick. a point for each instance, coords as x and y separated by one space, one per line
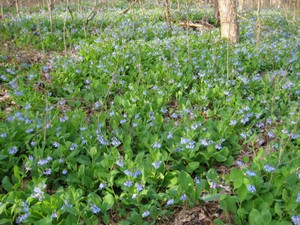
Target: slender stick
258 22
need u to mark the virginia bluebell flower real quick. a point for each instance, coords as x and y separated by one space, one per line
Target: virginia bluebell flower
250 173
268 168
251 188
95 209
13 150
183 197
296 219
145 214
128 183
170 202
156 164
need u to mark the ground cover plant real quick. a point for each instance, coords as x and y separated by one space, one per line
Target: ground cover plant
126 119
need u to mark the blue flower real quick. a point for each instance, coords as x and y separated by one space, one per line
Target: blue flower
54 214
156 145
73 146
95 209
139 187
183 197
47 171
170 201
269 168
55 144
250 173
156 164
296 220
120 163
145 214
102 185
251 188
22 217
13 150
128 183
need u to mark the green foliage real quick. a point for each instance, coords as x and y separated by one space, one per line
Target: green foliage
138 120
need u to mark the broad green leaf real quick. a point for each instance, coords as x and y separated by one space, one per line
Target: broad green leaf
242 192
278 210
192 166
222 155
136 218
108 201
71 219
93 151
254 217
6 184
266 216
213 197
285 223
84 160
212 174
44 221
185 181
237 177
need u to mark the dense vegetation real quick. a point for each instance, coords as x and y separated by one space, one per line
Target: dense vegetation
138 118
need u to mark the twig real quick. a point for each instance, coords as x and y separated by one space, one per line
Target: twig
69 9
129 7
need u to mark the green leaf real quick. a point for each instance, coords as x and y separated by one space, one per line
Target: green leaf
285 223
266 216
87 181
6 221
222 155
268 198
2 208
71 219
106 218
218 222
277 208
242 192
6 184
3 157
213 197
237 177
17 173
84 160
93 151
185 181
44 221
254 217
108 202
192 166
135 218
212 175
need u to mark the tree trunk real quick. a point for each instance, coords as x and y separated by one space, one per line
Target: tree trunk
17 6
216 11
258 23
241 5
50 9
228 17
2 13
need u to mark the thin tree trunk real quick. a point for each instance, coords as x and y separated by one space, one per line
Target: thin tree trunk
178 5
168 13
241 5
17 6
50 8
216 10
2 13
228 17
258 23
